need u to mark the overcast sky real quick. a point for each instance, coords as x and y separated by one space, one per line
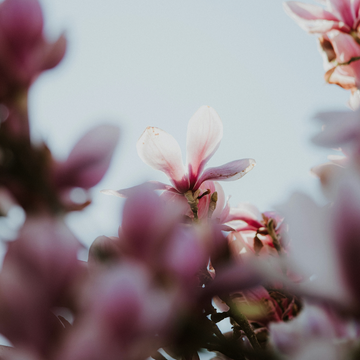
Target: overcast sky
146 63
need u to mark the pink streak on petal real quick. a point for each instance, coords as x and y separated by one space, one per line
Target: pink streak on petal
161 151
204 133
124 193
233 170
313 19
89 159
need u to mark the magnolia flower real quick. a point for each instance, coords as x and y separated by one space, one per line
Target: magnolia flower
254 232
161 151
338 26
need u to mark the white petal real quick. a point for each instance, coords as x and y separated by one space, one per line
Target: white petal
161 151
205 131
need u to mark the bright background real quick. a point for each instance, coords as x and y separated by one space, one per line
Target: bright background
146 63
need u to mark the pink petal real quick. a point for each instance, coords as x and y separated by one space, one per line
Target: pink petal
124 193
311 18
339 128
204 133
231 171
54 52
21 21
355 7
89 159
146 223
344 11
161 151
341 76
346 227
232 278
344 45
185 254
176 200
346 49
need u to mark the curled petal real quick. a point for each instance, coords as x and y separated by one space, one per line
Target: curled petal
248 214
313 19
233 170
89 159
204 133
161 151
124 193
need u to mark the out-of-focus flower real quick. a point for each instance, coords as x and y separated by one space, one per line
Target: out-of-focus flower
87 162
124 317
315 325
40 271
24 52
324 246
340 131
161 151
338 26
41 184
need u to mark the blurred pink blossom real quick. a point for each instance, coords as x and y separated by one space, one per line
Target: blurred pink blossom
338 26
39 272
316 333
24 52
124 316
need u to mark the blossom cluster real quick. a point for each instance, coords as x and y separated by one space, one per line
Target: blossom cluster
283 283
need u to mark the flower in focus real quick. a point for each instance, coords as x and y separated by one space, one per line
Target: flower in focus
161 151
339 41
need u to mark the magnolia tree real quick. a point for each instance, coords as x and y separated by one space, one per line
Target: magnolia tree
184 259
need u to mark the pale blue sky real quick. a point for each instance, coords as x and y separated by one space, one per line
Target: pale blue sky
145 63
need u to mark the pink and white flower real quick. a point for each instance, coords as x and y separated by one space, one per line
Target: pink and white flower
161 151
